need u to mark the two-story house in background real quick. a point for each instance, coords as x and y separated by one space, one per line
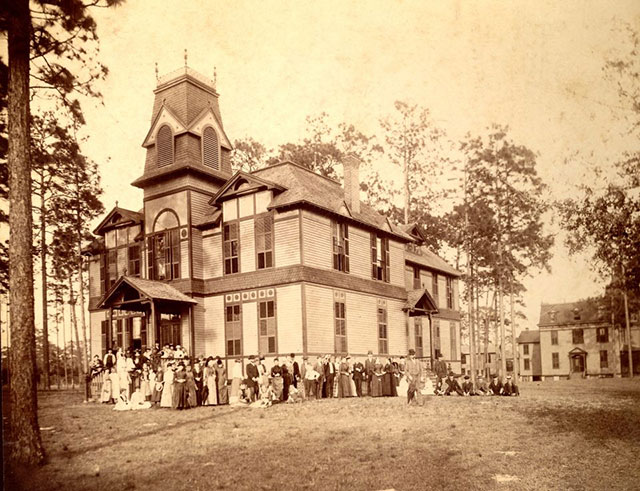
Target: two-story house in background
279 260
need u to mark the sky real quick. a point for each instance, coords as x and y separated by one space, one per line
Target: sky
535 66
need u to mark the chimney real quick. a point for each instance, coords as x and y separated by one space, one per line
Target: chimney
351 165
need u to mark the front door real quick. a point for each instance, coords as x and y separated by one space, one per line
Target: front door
170 330
577 363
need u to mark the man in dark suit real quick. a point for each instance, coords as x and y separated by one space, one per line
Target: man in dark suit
295 370
253 378
358 375
319 367
495 387
369 365
509 388
440 369
452 385
467 387
329 376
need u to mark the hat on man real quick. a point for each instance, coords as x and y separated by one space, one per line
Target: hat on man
369 352
451 374
412 351
305 357
495 375
466 377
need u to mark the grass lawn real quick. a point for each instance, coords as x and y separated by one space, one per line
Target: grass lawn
557 435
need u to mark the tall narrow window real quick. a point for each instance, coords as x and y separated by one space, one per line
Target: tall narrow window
340 246
231 249
454 340
525 349
340 319
103 275
210 148
264 241
603 335
554 337
527 364
383 338
380 258
434 288
555 360
449 292
112 268
418 328
578 336
104 327
416 278
267 327
119 333
164 146
604 359
134 260
164 255
233 329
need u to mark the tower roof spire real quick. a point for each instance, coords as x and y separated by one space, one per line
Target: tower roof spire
185 57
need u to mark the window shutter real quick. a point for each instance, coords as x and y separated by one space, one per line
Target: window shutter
387 276
164 146
210 150
374 256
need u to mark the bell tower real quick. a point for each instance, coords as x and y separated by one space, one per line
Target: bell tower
187 162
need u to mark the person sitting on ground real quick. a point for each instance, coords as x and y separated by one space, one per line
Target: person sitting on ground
467 387
294 395
482 389
138 402
244 394
495 387
452 385
510 388
122 403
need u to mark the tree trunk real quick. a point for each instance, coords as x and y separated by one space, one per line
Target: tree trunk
627 324
74 323
26 444
514 348
64 347
43 261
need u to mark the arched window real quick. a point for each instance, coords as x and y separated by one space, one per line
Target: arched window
164 146
210 148
163 248
165 220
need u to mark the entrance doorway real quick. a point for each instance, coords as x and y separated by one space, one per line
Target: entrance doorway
170 329
577 363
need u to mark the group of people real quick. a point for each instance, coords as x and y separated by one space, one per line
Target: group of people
166 378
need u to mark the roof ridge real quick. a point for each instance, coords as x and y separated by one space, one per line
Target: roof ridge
299 166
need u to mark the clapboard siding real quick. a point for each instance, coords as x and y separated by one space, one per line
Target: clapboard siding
176 202
289 318
184 259
200 206
426 280
287 242
250 328
396 262
212 256
95 320
362 327
199 328
247 246
94 276
196 251
359 252
319 309
316 240
396 328
214 329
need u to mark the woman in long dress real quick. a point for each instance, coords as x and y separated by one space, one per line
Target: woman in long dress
105 393
344 384
198 377
236 380
263 376
145 387
191 389
179 388
211 383
123 375
221 377
156 388
167 392
389 380
277 384
115 385
376 382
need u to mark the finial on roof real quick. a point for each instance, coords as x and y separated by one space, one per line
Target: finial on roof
215 77
116 203
157 76
185 57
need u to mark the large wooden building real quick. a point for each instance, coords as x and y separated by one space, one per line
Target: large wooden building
279 260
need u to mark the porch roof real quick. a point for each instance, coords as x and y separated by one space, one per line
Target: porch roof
130 290
420 302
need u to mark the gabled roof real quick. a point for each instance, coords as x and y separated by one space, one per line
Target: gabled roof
95 246
304 187
527 337
177 125
414 231
209 219
147 290
242 183
424 257
590 311
420 301
116 217
196 127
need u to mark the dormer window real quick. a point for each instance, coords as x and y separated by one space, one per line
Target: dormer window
552 316
576 315
210 148
164 146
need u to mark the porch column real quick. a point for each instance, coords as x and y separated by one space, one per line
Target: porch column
110 331
151 326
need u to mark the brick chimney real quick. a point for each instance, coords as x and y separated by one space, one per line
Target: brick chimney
351 165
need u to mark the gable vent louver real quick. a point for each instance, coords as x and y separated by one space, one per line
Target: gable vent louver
210 149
